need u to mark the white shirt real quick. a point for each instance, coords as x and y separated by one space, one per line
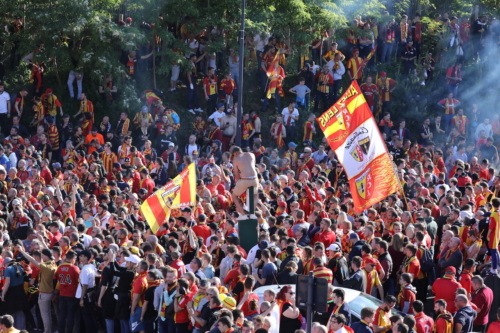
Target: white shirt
216 116
337 75
87 276
192 148
483 127
286 114
275 316
261 42
4 98
104 220
87 239
13 160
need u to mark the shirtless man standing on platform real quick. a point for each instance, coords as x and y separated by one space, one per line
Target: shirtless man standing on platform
245 176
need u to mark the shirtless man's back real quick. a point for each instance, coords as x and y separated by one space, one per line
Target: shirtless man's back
244 174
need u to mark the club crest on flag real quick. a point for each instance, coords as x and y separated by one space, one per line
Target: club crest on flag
363 184
357 153
365 144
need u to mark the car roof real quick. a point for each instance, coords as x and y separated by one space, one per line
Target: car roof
350 294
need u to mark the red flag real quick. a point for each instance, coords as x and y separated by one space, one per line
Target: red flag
351 131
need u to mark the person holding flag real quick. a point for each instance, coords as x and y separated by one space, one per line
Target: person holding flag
355 65
275 74
270 57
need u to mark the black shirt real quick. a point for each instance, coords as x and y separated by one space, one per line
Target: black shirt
126 278
150 313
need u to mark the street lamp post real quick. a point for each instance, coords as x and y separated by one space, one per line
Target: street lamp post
240 81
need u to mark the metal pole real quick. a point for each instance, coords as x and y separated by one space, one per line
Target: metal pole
310 301
240 79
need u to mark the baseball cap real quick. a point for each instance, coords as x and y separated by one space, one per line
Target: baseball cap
212 225
288 190
307 150
383 74
333 247
263 245
56 165
292 144
186 210
229 303
450 270
16 202
133 259
370 261
48 90
219 105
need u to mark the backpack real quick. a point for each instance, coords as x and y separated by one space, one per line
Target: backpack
341 271
427 260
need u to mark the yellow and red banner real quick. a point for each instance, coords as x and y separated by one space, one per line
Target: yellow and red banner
370 55
351 131
178 193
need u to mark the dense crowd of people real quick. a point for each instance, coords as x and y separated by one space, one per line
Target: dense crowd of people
78 255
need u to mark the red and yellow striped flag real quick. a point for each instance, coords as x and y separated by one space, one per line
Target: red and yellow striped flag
178 193
271 70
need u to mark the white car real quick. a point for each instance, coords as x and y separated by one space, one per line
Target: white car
356 299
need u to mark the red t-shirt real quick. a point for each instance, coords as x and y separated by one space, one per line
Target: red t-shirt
424 323
178 265
67 276
369 91
444 288
244 307
202 230
183 315
210 84
466 281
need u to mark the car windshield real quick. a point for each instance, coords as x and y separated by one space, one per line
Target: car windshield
364 300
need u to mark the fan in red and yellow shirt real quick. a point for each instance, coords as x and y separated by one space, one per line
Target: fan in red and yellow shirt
227 85
444 319
181 299
247 129
372 279
355 67
407 295
139 287
321 271
382 322
493 236
411 264
309 129
385 87
461 122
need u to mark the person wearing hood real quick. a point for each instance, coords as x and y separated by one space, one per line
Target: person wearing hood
407 295
444 319
465 315
308 75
